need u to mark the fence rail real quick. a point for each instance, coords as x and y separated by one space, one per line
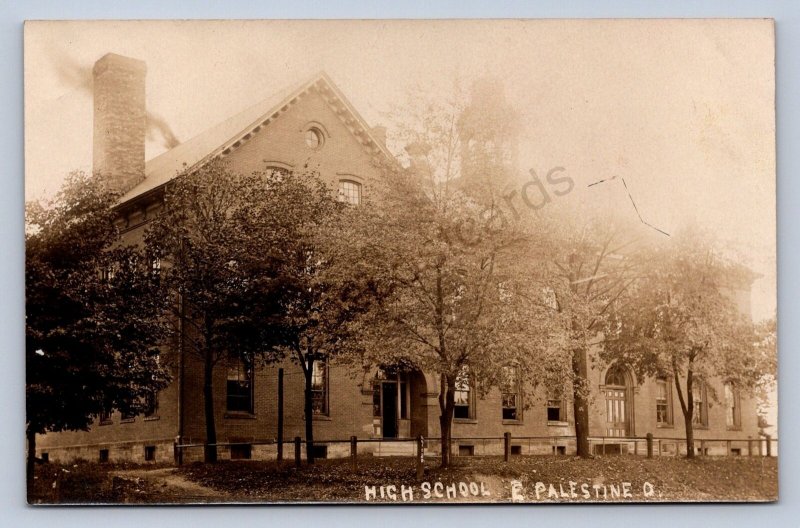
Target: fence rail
506 446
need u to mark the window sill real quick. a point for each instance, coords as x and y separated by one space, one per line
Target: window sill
321 418
151 418
240 415
513 422
107 422
735 428
698 427
127 420
557 424
665 426
465 420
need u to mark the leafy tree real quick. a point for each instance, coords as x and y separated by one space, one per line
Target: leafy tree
682 322
593 266
94 314
319 284
463 299
213 269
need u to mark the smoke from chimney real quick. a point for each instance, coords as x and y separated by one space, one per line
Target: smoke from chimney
80 77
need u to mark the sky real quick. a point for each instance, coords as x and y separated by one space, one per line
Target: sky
683 110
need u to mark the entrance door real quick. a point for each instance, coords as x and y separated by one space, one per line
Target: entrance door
618 408
389 410
616 412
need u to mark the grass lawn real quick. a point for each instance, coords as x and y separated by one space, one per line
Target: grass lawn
533 479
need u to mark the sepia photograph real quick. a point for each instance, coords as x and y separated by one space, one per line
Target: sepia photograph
400 261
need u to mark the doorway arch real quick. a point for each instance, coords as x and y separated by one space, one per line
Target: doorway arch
398 402
618 401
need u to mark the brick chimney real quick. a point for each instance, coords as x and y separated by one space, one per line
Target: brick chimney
119 120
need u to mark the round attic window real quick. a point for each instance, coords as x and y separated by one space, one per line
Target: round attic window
314 138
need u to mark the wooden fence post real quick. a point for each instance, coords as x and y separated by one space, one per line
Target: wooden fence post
297 451
420 458
177 453
280 414
649 445
506 446
354 451
749 447
728 448
702 447
769 445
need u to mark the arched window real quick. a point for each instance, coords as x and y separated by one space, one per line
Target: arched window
616 376
349 192
276 172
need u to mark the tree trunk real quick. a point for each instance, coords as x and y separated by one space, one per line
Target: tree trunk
309 412
687 405
208 397
580 402
687 420
30 464
447 408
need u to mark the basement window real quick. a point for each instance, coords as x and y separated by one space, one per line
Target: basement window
516 449
466 450
320 451
241 452
45 458
103 456
149 453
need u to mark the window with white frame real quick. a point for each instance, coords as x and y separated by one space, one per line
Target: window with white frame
700 404
663 402
509 388
463 396
319 388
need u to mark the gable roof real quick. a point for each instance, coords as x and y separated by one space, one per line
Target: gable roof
228 135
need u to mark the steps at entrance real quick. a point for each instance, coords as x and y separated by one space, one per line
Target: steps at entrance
388 449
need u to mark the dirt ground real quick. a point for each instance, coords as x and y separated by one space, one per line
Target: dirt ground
523 479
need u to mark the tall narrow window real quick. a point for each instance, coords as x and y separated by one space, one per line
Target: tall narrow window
240 386
700 407
556 412
663 402
105 418
319 387
349 192
463 396
510 393
150 404
733 415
